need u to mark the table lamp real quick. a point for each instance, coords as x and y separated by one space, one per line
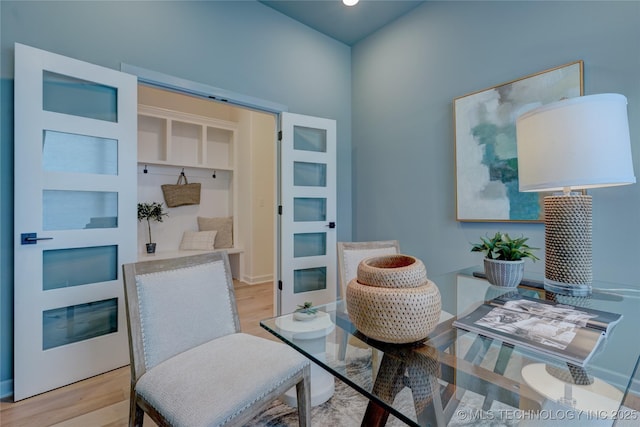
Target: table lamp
573 144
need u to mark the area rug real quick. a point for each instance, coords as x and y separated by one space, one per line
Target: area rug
346 408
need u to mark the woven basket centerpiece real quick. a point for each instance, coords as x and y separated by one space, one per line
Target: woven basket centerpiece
392 300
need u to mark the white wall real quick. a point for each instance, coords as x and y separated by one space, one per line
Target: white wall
263 197
257 194
214 202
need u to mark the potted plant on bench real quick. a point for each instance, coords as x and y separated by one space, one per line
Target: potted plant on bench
153 211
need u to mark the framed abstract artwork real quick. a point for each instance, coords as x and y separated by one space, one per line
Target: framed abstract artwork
486 159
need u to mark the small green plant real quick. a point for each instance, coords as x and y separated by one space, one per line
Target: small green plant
151 212
504 248
307 308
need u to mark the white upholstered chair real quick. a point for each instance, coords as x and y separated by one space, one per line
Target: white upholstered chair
349 256
190 364
351 253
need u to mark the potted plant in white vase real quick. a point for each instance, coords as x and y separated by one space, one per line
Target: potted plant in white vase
305 311
504 258
151 212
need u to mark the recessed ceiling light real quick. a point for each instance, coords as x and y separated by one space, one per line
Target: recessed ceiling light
350 2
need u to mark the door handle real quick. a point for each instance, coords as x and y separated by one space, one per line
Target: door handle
31 238
331 225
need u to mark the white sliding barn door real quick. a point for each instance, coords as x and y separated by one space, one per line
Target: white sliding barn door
307 228
75 218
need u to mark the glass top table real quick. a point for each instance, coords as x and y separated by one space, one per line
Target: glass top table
459 377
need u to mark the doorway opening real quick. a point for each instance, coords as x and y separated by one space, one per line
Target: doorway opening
302 245
242 186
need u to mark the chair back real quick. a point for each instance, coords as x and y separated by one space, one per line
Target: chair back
351 253
176 304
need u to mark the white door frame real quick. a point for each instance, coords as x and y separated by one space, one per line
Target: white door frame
213 93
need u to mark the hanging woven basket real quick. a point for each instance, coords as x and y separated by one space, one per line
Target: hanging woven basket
397 304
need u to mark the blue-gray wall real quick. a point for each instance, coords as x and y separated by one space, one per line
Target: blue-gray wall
244 47
398 85
405 78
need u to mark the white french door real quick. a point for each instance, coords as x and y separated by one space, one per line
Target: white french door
75 218
307 205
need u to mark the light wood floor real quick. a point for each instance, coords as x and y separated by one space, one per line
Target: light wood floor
104 400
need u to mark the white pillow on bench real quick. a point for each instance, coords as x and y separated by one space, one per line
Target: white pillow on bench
198 240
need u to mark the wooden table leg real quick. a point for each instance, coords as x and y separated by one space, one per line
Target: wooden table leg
388 383
375 415
412 370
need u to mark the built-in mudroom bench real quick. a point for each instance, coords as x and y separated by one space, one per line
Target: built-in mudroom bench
203 148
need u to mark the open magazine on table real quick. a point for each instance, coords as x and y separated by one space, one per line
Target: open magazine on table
565 331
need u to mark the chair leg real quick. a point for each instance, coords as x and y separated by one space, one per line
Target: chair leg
342 345
375 362
136 414
303 393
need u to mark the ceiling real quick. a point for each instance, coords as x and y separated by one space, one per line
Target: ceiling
343 23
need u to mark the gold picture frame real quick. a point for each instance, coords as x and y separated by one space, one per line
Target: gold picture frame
486 165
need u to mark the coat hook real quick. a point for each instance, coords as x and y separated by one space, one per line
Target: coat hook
145 169
214 175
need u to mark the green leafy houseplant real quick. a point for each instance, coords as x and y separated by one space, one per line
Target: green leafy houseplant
504 248
306 308
151 212
504 258
305 312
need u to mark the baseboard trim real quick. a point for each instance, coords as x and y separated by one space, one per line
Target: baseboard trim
6 388
256 280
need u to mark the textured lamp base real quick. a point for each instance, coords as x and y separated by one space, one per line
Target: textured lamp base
568 247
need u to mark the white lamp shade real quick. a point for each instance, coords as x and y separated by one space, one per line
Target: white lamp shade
575 143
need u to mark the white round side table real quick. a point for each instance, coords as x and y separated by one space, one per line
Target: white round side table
310 335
